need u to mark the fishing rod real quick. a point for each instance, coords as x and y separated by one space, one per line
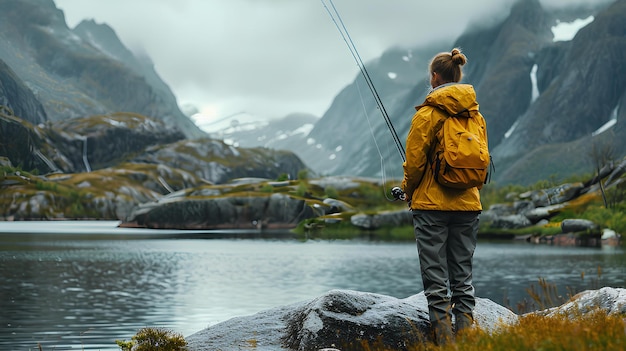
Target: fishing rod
336 18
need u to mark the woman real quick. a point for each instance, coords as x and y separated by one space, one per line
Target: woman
445 219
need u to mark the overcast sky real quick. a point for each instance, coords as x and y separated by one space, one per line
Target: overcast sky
269 58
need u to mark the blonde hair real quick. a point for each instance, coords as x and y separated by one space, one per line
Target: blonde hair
448 65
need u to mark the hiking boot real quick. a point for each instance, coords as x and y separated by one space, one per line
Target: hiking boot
442 331
463 321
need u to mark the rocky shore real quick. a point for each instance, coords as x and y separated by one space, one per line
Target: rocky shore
341 319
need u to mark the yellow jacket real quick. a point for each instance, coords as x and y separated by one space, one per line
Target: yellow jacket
419 183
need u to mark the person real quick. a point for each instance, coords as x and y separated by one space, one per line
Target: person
445 219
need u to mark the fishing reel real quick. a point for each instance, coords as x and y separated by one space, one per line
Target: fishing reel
398 194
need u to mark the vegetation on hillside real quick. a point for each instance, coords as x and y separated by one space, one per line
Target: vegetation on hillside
72 196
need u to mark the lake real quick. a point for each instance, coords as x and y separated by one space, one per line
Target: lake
82 285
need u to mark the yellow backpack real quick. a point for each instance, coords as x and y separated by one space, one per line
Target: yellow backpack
461 157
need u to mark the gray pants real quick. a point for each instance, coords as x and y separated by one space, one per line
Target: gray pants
445 242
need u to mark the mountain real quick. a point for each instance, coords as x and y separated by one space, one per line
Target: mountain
281 133
80 72
552 107
580 95
547 103
89 130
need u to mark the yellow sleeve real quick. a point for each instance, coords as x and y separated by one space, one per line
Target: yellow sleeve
418 145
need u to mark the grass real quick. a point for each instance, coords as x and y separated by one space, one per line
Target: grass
585 332
590 331
152 339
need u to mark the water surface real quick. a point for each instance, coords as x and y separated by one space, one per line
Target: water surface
64 291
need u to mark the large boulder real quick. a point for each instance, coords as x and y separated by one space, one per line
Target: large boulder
336 319
511 222
556 195
256 211
577 225
381 219
611 300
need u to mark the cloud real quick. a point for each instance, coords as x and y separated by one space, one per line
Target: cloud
271 57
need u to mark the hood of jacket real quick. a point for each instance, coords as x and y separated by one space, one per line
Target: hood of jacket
453 98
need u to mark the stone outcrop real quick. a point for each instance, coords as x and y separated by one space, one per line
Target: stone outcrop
381 219
577 225
336 319
538 206
102 141
611 300
352 319
17 99
258 211
102 194
25 145
80 145
218 162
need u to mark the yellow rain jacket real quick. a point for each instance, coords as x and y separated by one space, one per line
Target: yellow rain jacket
419 182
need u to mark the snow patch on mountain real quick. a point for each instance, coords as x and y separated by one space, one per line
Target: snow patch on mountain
566 31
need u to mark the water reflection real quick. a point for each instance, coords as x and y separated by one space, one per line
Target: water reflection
505 271
84 294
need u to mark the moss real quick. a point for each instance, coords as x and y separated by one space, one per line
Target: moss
148 339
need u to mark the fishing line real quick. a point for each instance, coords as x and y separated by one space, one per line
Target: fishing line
380 154
336 18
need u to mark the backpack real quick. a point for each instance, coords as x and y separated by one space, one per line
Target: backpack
461 157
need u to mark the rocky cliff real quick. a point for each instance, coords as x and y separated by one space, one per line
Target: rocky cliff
80 72
578 95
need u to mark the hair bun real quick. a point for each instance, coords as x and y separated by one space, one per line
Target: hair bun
458 58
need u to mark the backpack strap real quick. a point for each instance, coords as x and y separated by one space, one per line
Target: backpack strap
433 156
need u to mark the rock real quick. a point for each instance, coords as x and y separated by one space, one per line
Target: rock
97 142
381 219
29 147
540 213
511 222
335 319
501 209
219 163
611 300
364 221
523 206
609 234
616 173
337 206
17 99
577 225
337 182
555 195
345 319
496 211
5 161
259 211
